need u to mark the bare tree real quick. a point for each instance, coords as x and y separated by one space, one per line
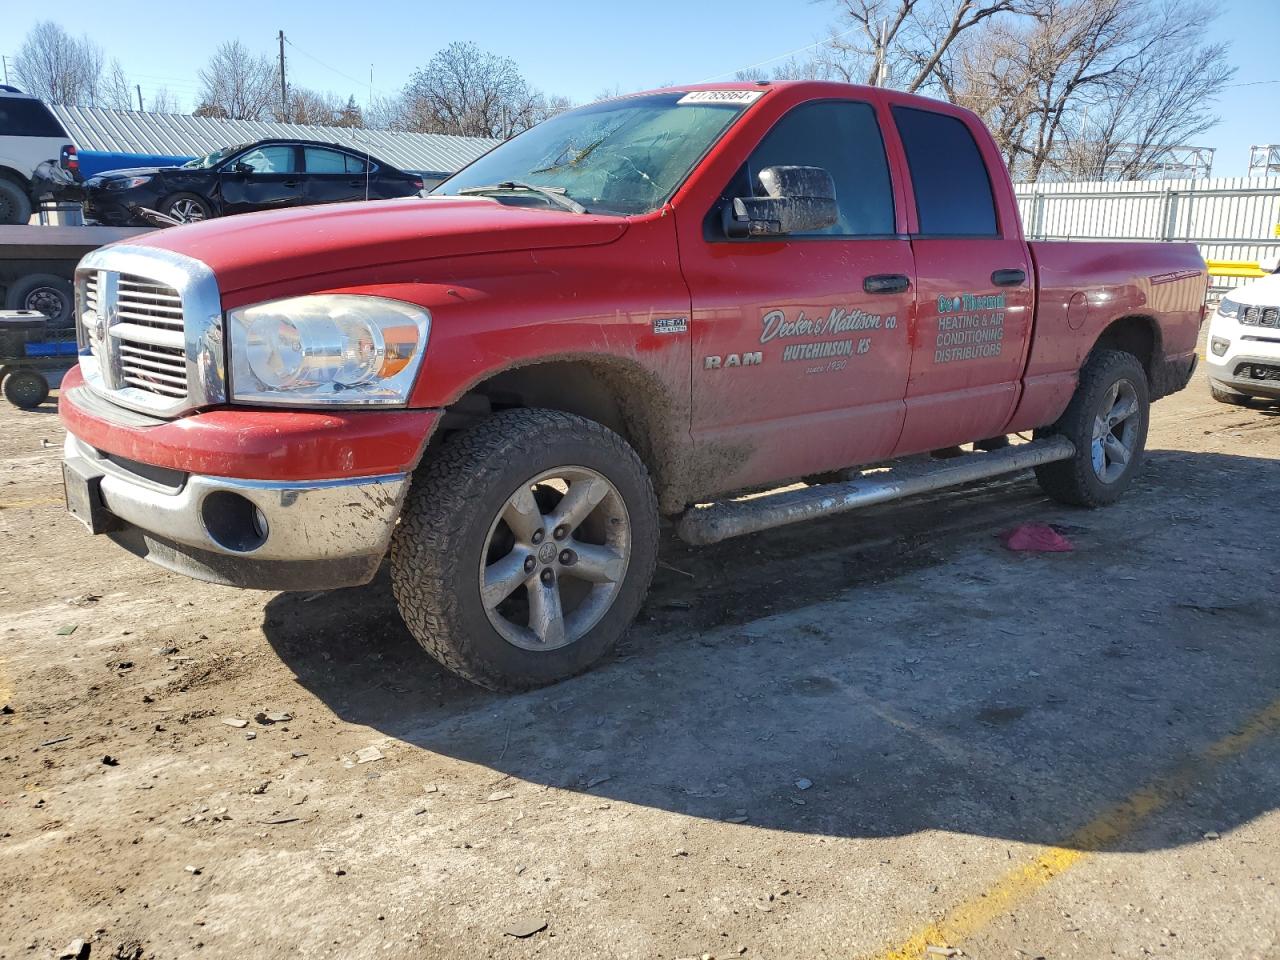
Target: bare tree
236 84
910 38
1090 87
162 101
56 67
470 92
117 92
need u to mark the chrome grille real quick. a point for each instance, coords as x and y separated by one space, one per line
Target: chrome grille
149 338
150 329
1260 316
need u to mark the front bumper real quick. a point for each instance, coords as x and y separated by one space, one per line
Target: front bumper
1250 351
271 535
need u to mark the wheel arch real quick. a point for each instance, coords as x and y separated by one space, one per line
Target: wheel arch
1138 334
614 392
9 173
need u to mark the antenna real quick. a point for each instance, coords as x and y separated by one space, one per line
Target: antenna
368 162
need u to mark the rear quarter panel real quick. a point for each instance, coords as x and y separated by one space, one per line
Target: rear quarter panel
1083 288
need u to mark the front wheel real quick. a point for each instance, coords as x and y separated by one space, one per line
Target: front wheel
186 208
525 548
26 389
1107 420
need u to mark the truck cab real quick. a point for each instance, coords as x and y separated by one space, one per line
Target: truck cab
632 313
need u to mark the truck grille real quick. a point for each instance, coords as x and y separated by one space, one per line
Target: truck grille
144 345
1260 316
149 326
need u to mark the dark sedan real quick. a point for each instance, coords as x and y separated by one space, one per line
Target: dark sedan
266 175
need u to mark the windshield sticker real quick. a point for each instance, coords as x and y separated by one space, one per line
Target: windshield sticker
742 97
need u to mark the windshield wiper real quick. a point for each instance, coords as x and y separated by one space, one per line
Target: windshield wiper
557 195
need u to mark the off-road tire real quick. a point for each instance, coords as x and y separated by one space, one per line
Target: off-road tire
1233 399
26 389
15 205
49 289
1075 481
456 495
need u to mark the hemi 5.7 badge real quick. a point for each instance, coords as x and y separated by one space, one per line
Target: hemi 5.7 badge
670 324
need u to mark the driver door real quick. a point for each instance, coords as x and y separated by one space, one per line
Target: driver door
801 342
271 181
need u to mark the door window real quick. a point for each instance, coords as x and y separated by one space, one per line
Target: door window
278 159
841 137
948 175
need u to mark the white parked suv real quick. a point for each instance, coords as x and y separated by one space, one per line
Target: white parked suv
29 135
1244 341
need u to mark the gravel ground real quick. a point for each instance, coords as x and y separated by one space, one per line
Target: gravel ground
856 738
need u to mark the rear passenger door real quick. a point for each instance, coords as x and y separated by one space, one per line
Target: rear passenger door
333 176
974 300
800 342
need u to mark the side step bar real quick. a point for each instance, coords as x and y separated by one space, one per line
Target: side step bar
733 518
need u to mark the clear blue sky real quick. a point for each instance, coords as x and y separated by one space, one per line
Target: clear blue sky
578 48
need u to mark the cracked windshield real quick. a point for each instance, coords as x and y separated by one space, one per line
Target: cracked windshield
619 157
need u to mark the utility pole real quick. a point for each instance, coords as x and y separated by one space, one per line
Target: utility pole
6 69
284 95
138 87
881 59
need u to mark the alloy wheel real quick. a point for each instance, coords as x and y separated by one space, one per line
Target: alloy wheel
555 558
186 211
1115 431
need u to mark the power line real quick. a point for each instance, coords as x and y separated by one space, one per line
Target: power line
332 69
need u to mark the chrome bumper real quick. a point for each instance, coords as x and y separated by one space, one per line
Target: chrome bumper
312 534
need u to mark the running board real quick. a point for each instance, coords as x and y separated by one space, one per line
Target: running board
733 518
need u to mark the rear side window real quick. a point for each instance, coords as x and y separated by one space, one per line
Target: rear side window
20 117
953 191
844 139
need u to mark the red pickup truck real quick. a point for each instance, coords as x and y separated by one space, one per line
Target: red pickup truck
644 308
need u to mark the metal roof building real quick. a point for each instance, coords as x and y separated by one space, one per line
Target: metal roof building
179 135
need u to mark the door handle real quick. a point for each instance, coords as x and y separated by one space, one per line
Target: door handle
887 283
292 183
1012 277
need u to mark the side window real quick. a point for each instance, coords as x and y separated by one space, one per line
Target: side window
277 159
948 175
20 117
354 164
319 160
844 139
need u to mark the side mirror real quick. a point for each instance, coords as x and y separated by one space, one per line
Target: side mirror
799 200
241 167
1270 264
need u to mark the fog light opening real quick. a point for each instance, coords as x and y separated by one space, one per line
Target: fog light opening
1219 346
234 522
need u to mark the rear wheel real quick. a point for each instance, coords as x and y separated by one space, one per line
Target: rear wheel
26 389
525 548
1107 421
15 205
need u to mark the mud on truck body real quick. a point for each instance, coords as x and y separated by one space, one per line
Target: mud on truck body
633 311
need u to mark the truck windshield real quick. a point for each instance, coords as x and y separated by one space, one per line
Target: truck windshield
623 156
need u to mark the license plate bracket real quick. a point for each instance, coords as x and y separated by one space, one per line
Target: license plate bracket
82 491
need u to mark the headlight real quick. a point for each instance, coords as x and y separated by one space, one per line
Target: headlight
328 348
125 183
1228 308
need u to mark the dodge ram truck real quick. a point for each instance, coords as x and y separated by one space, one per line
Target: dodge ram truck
727 307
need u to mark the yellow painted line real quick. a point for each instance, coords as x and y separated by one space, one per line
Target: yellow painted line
25 504
1105 830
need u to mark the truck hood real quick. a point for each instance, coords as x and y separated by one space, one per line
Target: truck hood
255 249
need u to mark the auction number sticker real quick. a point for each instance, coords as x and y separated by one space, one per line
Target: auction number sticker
721 96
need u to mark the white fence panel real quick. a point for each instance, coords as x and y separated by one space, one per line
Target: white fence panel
1229 218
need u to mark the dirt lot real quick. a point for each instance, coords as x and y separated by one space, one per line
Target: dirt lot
849 739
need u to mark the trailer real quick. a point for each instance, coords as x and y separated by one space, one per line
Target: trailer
37 267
